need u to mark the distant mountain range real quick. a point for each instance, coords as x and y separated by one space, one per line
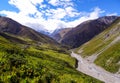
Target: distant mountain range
72 37
84 32
30 54
58 34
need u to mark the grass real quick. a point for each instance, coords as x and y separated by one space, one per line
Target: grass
109 58
38 64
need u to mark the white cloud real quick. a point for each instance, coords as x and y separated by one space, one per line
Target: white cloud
54 2
63 3
71 11
36 26
87 16
48 18
35 2
59 13
96 12
112 14
25 6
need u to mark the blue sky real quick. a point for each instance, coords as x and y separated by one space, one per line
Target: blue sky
52 14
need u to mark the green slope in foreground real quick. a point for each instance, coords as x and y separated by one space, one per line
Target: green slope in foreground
31 63
107 45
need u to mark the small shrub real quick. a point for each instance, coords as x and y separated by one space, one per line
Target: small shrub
14 79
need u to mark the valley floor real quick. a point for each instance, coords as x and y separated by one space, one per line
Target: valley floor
95 71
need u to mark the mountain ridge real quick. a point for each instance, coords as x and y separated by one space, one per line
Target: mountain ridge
7 25
86 31
104 49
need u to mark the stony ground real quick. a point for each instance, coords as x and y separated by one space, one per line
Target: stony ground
95 71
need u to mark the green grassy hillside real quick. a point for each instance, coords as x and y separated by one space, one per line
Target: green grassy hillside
107 45
37 63
110 58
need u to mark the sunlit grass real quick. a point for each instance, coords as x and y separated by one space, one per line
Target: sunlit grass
38 64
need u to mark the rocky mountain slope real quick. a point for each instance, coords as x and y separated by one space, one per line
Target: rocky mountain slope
86 31
58 34
104 49
12 27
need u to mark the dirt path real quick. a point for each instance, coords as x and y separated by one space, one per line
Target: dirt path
95 71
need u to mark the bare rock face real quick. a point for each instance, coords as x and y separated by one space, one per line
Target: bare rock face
86 31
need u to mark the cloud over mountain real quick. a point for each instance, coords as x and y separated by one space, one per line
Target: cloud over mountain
50 13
